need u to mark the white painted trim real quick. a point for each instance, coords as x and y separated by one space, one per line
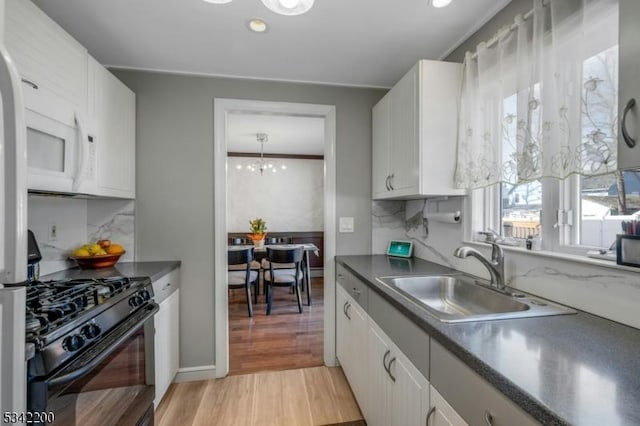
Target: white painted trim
222 107
243 77
192 374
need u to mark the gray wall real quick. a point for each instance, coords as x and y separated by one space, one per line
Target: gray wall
502 18
174 172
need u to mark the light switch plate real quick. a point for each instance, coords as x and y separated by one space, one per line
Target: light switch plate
346 224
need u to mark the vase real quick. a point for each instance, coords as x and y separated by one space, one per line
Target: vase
258 244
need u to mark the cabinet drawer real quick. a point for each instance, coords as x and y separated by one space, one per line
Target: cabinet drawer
410 339
166 285
469 394
355 287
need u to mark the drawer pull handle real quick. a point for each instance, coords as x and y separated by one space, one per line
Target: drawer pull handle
429 414
384 360
393 379
488 418
30 83
344 308
346 311
631 142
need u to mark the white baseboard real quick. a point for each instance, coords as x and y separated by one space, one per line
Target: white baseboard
193 374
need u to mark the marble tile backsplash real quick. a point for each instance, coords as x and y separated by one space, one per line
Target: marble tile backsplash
77 222
605 291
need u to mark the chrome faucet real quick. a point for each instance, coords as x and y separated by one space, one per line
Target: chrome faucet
495 266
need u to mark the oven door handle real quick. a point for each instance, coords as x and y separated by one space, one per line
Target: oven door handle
67 377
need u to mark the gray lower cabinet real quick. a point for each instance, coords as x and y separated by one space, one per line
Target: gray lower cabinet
472 397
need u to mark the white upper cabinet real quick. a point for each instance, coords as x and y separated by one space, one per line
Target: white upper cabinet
112 108
629 93
415 132
51 63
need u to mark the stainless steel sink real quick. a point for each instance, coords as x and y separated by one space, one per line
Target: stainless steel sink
459 298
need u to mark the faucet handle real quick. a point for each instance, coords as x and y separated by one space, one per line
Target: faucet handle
497 254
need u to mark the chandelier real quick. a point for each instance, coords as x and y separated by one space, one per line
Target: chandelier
262 164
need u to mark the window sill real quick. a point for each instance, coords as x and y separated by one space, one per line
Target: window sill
560 256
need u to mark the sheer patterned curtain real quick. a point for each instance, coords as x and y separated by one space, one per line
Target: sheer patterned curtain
540 100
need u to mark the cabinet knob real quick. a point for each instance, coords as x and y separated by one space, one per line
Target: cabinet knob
631 142
356 291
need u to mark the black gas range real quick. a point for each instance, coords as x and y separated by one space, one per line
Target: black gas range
93 361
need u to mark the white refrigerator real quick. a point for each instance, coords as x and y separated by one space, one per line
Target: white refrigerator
13 234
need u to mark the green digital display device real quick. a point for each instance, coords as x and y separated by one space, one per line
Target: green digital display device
400 248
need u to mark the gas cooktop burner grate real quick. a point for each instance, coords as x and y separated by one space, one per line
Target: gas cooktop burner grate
52 304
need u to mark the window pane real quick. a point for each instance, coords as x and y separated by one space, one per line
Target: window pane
602 211
521 205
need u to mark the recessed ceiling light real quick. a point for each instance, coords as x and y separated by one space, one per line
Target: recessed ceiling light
440 3
257 25
218 1
289 7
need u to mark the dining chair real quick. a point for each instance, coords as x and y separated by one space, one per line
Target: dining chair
290 277
244 277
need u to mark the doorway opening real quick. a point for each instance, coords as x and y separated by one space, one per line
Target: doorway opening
275 161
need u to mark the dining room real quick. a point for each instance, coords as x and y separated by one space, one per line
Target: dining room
275 223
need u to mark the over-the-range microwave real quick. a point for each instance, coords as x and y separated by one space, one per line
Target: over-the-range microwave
61 156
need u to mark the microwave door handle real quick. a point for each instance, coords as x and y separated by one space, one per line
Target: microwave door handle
104 352
82 151
13 165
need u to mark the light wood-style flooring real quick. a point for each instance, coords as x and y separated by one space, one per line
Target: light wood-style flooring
283 340
309 396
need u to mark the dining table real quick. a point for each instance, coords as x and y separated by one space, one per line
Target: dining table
261 253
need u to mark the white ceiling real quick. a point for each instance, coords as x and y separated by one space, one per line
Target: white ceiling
351 42
287 134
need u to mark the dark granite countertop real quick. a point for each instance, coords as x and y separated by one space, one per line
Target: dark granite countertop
154 270
568 369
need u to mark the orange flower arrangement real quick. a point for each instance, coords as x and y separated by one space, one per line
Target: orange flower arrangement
258 229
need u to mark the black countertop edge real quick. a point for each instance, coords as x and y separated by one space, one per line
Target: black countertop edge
531 405
153 270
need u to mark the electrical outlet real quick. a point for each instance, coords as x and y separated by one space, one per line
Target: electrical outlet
53 232
346 224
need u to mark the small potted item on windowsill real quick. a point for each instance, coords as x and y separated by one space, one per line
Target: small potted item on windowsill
258 229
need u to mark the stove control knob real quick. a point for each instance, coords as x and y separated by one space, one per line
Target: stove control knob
136 301
73 343
90 331
145 294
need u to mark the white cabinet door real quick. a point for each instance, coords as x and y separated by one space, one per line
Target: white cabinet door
351 337
629 157
381 136
443 414
51 63
112 105
404 178
409 392
167 343
344 349
174 334
161 351
378 405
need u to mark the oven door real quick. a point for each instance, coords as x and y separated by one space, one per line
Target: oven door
110 383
